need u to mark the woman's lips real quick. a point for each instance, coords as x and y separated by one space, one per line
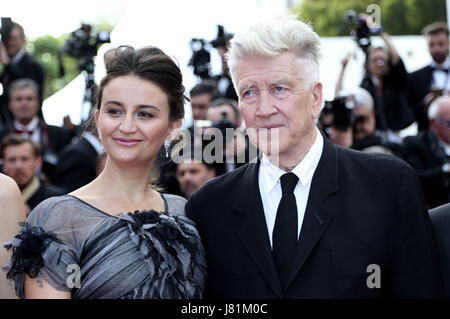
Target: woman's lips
127 141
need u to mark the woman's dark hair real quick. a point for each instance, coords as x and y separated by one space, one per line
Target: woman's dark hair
149 63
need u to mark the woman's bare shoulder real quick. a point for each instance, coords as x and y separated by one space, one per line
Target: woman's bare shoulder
11 199
9 189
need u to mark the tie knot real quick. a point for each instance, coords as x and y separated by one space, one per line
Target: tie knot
288 182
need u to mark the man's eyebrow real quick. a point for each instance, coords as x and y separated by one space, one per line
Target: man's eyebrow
245 86
282 81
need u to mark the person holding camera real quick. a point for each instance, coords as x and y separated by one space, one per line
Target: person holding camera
224 83
387 81
17 64
434 78
224 115
429 153
24 107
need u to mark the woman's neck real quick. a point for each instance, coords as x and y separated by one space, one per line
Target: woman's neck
128 182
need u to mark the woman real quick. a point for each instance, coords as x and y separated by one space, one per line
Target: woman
13 212
117 237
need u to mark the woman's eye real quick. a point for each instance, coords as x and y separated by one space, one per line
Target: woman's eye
144 115
114 112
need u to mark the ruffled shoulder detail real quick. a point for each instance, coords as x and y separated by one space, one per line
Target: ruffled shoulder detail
172 249
28 247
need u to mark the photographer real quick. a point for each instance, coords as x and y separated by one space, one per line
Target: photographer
17 64
387 81
224 84
353 124
224 115
386 77
429 153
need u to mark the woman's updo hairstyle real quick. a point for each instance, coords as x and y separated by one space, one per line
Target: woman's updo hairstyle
149 63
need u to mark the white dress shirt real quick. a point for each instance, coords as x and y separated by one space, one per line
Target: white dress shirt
441 79
33 126
270 185
96 144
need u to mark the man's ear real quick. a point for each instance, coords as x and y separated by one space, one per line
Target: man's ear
38 163
317 95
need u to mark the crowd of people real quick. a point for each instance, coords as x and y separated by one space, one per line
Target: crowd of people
259 198
389 100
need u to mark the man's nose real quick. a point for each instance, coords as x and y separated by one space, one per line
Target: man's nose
265 104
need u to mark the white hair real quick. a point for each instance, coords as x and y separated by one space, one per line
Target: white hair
362 96
271 38
435 106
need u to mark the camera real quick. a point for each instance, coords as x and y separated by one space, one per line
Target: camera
341 109
201 58
201 52
223 124
83 46
5 29
361 32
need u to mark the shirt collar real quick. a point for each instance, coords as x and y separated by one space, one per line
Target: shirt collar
94 142
304 170
444 65
29 127
18 56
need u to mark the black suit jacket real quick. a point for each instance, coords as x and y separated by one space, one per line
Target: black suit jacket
418 87
426 156
77 165
27 67
43 192
362 210
53 140
440 219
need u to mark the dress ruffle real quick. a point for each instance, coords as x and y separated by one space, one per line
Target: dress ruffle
28 247
171 247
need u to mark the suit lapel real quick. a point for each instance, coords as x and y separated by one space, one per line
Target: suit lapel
429 78
253 232
317 214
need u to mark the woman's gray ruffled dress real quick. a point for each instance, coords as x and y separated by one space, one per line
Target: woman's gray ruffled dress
78 248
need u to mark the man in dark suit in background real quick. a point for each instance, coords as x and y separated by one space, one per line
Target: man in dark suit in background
429 153
22 160
17 64
24 106
308 219
78 162
432 77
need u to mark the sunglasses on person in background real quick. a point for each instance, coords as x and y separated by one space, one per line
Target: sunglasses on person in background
442 121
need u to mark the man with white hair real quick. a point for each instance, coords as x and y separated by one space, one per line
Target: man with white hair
429 153
307 219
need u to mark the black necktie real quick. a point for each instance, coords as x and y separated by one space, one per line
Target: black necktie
284 238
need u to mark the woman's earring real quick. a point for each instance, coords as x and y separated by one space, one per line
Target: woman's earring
166 146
